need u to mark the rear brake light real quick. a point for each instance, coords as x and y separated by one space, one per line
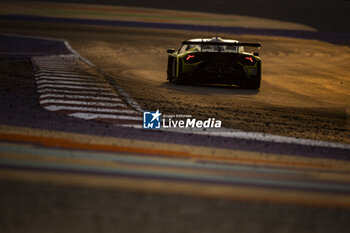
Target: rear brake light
189 57
250 59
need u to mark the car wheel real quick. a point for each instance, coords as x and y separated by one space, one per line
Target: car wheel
251 84
254 82
170 78
171 69
178 78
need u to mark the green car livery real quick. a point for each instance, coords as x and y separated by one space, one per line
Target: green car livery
216 61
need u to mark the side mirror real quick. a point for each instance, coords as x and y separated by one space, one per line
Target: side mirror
170 50
256 54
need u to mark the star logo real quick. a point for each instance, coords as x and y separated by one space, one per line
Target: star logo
156 115
151 120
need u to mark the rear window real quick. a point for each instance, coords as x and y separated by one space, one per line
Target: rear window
211 48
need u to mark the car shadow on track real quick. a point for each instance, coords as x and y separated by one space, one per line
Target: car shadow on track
209 89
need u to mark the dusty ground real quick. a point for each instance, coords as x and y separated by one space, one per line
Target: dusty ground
304 90
299 95
303 93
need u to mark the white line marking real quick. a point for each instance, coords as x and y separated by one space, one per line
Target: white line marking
126 96
78 92
89 116
70 82
68 75
41 86
80 97
106 110
77 54
281 139
230 133
60 71
128 99
130 126
54 77
48 65
88 103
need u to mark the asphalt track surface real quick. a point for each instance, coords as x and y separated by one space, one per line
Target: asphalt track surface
61 173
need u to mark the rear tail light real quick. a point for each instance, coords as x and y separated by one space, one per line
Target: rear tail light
246 60
193 58
189 56
249 59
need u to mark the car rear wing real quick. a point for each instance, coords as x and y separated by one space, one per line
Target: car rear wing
257 45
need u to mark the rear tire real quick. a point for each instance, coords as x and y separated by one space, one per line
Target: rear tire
254 82
178 79
251 84
169 77
171 69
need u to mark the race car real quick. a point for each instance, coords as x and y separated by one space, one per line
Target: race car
215 61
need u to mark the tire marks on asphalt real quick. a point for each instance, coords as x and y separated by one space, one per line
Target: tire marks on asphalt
67 85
